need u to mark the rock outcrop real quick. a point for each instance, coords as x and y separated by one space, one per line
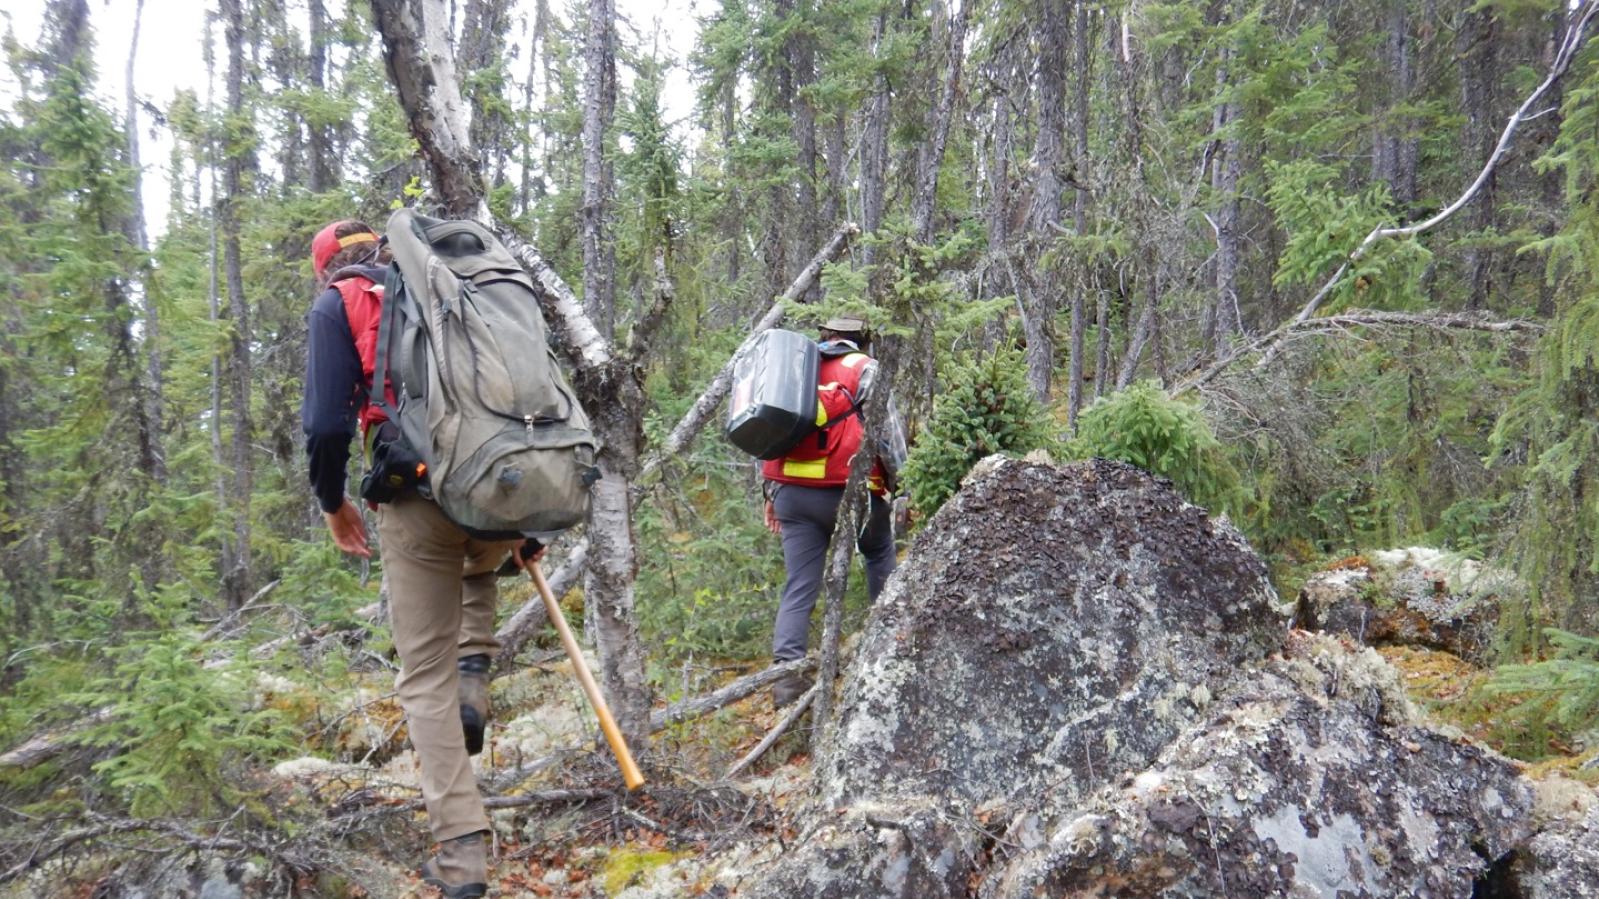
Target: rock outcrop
1052 627
1408 597
1079 684
1310 779
1561 862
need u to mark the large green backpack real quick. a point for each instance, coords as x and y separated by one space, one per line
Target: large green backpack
478 394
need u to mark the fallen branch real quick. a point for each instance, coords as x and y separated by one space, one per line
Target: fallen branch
706 703
1579 19
45 746
360 814
777 730
111 827
1359 318
695 418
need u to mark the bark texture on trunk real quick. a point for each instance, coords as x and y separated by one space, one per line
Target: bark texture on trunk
237 159
608 385
599 106
1050 23
416 52
1074 390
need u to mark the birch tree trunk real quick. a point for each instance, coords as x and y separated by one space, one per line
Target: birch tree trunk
416 52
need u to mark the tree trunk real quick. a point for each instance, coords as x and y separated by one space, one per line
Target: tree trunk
1475 44
139 236
733 225
236 160
487 22
599 105
874 146
801 53
930 155
1049 22
324 161
417 56
1221 318
1074 390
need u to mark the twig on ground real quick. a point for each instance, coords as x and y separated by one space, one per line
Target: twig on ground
777 731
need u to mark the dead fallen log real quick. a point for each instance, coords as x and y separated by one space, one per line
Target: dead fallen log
706 703
45 746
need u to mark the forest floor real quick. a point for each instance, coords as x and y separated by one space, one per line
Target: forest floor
598 844
606 847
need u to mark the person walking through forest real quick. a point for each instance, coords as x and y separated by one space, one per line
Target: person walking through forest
805 487
441 580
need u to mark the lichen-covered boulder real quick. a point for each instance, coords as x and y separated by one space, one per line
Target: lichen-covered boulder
1052 627
1408 597
1561 862
1312 779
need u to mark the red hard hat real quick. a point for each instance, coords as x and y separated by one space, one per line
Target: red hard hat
325 244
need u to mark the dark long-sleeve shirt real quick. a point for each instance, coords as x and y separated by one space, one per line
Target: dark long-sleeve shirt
335 388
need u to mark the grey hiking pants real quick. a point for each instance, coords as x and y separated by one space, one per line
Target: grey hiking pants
808 516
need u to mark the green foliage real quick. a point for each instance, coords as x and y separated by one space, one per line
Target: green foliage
986 407
176 730
1143 425
1557 697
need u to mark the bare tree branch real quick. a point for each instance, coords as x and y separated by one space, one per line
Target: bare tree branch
777 730
1579 19
685 709
695 418
1359 318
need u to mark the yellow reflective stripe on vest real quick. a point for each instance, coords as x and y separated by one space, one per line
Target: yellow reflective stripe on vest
821 415
815 468
853 359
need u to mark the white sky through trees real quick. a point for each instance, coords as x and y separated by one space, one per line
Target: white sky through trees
171 57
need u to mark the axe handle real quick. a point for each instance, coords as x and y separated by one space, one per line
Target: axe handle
613 734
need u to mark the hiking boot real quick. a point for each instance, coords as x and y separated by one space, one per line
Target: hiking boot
789 690
474 695
461 868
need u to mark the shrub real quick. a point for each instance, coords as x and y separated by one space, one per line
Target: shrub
987 407
1146 427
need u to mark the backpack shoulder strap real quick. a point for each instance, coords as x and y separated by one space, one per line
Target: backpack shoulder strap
388 323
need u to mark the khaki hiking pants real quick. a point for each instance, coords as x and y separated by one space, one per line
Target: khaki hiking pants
442 598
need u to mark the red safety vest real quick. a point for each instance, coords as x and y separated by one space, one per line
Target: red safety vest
363 308
823 459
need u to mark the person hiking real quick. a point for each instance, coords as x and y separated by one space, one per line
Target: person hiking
805 487
441 581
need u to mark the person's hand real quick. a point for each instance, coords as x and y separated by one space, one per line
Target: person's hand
528 553
349 531
772 524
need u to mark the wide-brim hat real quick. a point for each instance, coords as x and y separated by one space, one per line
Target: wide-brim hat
845 325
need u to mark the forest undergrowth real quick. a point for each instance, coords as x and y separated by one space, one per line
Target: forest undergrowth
1333 269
